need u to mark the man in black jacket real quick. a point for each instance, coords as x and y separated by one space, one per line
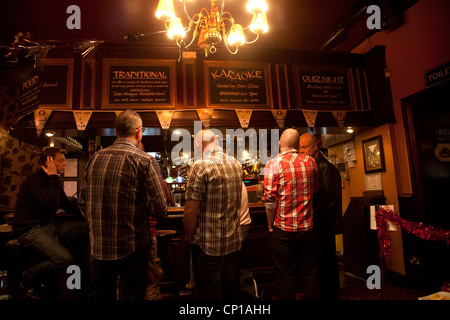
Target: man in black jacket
37 226
327 217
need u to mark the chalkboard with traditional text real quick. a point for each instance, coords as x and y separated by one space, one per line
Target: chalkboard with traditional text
138 83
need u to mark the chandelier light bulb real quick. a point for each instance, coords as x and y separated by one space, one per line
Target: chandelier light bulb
257 6
176 30
236 37
165 10
259 25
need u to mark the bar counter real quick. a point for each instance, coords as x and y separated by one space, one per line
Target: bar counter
177 212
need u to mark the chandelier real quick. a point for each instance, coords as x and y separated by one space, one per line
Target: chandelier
210 28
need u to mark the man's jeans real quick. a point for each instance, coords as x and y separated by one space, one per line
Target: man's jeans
50 241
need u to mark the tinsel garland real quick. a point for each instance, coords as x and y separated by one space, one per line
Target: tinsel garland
415 228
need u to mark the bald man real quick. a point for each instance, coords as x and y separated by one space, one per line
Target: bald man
327 217
212 219
290 181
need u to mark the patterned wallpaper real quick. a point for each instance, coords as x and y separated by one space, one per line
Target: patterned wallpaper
18 159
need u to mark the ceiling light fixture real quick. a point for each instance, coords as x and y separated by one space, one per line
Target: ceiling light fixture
350 130
214 26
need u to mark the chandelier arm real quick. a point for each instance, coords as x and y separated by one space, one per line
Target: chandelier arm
224 14
254 40
222 8
194 36
186 12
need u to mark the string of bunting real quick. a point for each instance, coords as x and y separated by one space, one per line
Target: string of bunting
418 229
165 116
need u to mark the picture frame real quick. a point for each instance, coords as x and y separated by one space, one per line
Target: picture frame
138 83
325 88
237 84
373 155
57 84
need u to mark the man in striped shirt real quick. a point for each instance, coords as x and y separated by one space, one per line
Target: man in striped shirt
120 190
212 219
290 181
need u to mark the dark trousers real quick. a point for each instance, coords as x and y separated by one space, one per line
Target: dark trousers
327 266
52 242
127 275
216 277
292 251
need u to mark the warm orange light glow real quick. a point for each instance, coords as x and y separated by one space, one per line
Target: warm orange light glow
176 30
236 37
257 6
165 10
210 28
259 25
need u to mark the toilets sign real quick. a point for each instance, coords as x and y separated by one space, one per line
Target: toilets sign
437 75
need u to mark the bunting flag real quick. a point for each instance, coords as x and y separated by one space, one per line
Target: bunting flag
40 119
244 116
280 116
339 116
310 117
205 116
117 113
165 118
82 119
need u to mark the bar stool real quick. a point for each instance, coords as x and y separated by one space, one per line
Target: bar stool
20 259
14 266
169 251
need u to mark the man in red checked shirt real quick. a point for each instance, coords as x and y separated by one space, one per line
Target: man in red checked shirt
290 181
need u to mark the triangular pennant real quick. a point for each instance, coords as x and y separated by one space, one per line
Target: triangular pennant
40 119
244 116
82 119
279 116
165 118
310 117
205 116
117 113
339 116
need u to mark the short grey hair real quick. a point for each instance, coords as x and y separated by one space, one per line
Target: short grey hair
127 122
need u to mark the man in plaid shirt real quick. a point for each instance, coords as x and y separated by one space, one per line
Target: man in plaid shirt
120 190
212 219
290 181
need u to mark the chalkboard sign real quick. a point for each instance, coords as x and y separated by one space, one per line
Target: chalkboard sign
30 91
238 84
138 83
56 83
325 89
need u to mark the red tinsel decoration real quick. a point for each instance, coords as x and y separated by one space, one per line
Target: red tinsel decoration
415 228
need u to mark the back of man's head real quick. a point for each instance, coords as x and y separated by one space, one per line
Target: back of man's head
127 122
289 139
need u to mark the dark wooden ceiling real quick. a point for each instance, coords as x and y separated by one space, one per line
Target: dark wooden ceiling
294 24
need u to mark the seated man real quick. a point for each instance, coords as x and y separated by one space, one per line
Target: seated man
39 198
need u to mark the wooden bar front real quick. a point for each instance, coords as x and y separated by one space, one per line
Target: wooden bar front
175 257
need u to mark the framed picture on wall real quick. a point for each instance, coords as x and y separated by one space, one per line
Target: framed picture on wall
57 84
373 155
